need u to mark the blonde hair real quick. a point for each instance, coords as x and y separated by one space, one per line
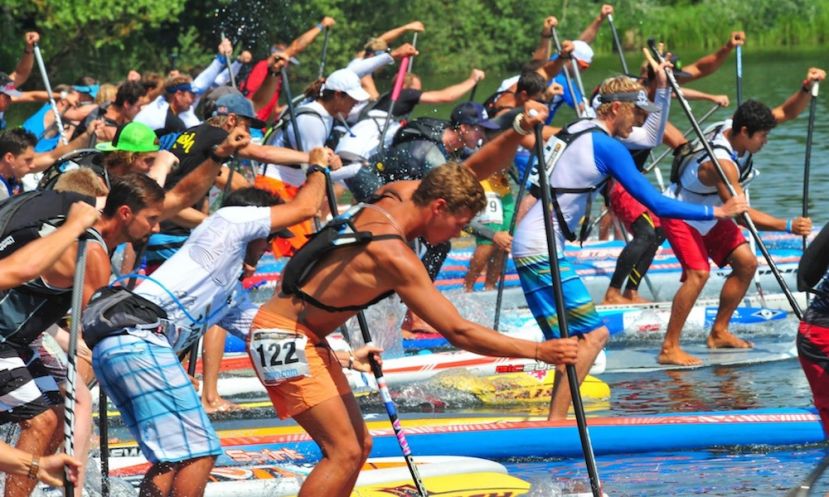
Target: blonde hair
106 93
454 183
81 180
616 84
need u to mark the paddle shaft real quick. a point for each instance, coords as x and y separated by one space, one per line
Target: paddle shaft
746 219
739 75
499 297
414 45
71 367
561 313
229 68
805 488
324 56
655 162
807 161
617 43
42 67
391 409
472 92
567 78
395 94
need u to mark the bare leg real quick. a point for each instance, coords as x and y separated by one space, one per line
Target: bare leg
684 300
213 349
39 436
614 296
493 269
158 481
83 423
589 348
337 427
480 259
744 265
191 477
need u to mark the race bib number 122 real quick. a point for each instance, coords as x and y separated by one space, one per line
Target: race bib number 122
278 355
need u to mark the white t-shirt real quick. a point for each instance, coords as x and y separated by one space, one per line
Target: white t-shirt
205 272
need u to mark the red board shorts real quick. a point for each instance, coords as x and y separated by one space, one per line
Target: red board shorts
693 249
813 352
627 208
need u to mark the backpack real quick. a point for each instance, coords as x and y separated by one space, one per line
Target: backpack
282 122
685 153
86 157
422 128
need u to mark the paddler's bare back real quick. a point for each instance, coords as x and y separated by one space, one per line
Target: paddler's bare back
362 273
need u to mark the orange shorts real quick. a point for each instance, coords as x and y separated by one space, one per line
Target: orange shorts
285 247
326 379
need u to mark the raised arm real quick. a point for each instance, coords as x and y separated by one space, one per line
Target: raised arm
393 34
34 258
306 38
798 101
498 153
273 155
551 68
454 92
542 50
592 29
711 62
309 198
24 65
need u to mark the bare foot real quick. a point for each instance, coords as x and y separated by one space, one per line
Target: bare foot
726 340
614 297
220 405
412 325
635 297
677 356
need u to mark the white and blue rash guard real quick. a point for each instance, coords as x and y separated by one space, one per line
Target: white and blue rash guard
587 162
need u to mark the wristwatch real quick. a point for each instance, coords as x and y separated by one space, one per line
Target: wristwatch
216 157
315 168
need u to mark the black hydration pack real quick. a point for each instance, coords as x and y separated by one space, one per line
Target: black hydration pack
685 153
422 128
568 138
88 157
113 310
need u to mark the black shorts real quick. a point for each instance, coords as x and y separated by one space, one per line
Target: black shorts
26 387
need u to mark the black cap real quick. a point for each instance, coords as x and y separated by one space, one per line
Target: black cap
474 114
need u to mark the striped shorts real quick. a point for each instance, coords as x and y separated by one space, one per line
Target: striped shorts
26 388
157 401
537 282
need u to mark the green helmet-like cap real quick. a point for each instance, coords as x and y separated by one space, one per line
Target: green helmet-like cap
131 137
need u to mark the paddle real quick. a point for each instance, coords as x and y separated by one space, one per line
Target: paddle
739 75
388 403
395 94
745 218
45 77
561 312
804 488
227 63
414 45
655 162
472 92
522 189
71 367
617 43
289 99
567 76
807 162
324 56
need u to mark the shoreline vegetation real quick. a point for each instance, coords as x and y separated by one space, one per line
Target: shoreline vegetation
107 39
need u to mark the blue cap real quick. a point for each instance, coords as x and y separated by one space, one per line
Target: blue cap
234 103
474 114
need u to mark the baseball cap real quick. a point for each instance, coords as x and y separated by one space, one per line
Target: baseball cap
639 98
7 86
91 90
131 137
474 114
234 103
582 52
346 81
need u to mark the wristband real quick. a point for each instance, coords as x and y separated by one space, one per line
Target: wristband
788 225
316 168
216 157
34 468
536 352
321 28
350 361
221 58
516 125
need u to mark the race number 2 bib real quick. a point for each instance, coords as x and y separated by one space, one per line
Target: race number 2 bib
494 211
278 355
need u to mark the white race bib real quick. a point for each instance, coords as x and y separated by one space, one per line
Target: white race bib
493 213
278 355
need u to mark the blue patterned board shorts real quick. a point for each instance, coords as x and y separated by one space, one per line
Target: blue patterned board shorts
537 282
158 404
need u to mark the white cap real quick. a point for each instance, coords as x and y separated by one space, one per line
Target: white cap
346 81
582 52
10 90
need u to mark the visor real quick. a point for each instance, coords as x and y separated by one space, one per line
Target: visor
638 98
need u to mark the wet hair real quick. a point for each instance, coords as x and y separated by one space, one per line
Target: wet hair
251 197
616 84
119 162
129 92
81 180
754 116
314 90
454 183
532 83
16 140
151 80
533 65
136 191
